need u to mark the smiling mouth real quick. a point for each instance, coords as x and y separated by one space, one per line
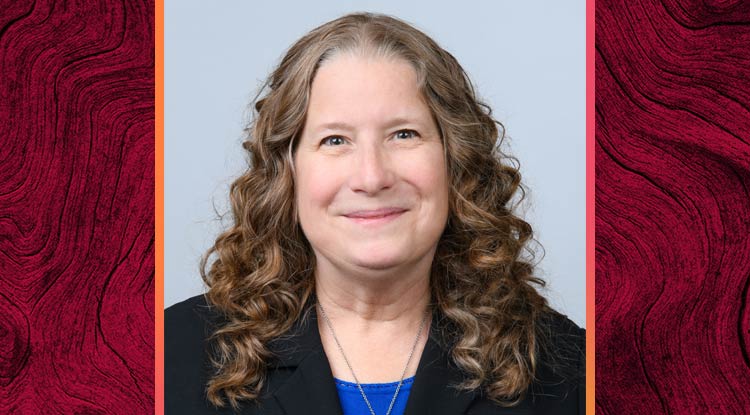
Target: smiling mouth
376 216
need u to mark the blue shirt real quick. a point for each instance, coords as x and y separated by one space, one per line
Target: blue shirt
379 395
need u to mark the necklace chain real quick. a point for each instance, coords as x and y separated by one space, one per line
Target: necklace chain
359 386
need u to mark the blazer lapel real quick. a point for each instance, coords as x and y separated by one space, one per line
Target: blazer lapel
431 392
310 388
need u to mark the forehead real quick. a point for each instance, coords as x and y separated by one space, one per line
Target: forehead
365 90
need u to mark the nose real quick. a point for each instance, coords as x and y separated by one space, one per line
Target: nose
371 170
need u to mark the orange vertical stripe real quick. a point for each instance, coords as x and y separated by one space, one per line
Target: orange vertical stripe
590 212
159 213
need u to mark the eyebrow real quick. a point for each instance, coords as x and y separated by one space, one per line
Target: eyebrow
339 125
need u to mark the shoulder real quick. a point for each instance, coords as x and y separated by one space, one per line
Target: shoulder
559 329
187 328
562 345
188 316
559 384
560 380
188 324
558 387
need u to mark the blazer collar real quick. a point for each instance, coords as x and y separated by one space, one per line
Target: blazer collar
432 391
311 388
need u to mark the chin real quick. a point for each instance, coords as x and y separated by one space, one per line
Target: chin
377 264
378 260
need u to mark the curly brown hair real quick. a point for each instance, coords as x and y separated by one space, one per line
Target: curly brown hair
261 275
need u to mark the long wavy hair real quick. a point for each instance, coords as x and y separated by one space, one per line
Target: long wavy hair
260 277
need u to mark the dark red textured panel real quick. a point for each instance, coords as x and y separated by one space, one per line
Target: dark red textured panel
77 207
672 207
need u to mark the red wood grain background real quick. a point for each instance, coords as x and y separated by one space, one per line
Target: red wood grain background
77 207
672 207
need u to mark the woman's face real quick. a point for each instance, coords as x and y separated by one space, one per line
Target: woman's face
372 186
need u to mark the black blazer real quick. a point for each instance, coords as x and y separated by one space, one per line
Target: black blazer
300 380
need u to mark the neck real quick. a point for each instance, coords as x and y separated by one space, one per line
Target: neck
376 315
373 299
370 323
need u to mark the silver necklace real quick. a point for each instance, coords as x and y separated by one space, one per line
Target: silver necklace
359 386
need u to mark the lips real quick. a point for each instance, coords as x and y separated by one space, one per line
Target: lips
374 213
375 216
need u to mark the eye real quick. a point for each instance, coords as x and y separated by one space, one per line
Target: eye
333 140
406 134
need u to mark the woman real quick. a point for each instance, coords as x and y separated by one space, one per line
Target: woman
374 264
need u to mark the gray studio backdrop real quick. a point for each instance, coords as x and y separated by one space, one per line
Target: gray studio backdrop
527 60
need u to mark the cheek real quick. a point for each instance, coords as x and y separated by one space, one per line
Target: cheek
316 189
429 174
